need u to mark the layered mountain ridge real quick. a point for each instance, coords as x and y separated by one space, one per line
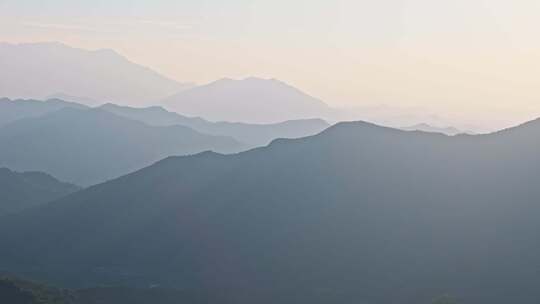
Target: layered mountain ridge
358 212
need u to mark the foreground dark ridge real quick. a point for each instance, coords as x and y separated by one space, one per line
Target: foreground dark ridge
18 291
357 212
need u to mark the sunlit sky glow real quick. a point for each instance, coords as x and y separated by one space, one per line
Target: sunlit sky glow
459 56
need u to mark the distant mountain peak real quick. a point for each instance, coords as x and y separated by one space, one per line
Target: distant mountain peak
247 80
261 79
40 69
424 127
359 125
249 100
109 52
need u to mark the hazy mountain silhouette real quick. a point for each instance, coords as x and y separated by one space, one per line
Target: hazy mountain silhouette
451 131
253 135
251 100
23 190
154 116
76 99
90 146
36 70
356 213
12 110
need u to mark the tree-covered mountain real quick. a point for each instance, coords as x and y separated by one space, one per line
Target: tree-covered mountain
37 70
253 135
18 291
19 191
90 146
358 213
250 100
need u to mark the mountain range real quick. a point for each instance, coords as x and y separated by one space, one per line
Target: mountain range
13 110
52 70
28 189
357 211
38 70
124 186
252 135
30 130
89 146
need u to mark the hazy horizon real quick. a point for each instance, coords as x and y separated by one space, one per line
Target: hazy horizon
474 64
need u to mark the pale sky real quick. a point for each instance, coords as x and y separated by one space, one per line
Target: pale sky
460 56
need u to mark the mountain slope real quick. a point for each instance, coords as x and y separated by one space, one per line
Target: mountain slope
36 70
253 135
17 291
12 110
154 116
24 190
90 146
251 100
356 213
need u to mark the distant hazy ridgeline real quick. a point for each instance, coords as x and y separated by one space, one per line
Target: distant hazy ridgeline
252 100
13 110
253 135
90 146
39 70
